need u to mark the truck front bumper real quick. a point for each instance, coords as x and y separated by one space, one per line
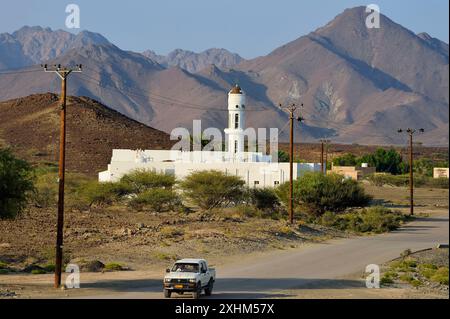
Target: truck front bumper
185 287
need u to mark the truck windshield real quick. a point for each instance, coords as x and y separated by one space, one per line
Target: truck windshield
182 267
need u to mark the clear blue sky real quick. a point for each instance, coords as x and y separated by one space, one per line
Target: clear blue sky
248 27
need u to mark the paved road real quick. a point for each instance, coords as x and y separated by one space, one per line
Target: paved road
330 265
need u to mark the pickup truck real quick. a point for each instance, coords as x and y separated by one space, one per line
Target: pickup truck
189 275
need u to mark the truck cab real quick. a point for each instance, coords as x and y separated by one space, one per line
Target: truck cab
189 275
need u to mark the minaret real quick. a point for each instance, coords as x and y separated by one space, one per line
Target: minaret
236 120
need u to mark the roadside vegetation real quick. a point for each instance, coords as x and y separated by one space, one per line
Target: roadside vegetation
425 269
153 213
382 179
393 170
16 184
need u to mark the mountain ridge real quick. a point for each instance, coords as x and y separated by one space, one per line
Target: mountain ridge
357 85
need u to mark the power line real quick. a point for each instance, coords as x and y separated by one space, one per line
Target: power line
19 72
172 101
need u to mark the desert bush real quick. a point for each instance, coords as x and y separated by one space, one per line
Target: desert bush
114 267
403 181
263 198
16 184
210 189
158 199
373 220
319 193
252 211
437 183
141 180
441 276
46 190
96 193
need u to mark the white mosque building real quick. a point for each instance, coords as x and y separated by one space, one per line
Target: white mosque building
255 168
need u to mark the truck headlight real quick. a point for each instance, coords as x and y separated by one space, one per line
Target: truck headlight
192 281
166 279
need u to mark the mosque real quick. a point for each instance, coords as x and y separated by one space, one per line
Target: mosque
255 168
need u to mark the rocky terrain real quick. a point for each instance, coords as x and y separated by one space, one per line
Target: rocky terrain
195 62
30 126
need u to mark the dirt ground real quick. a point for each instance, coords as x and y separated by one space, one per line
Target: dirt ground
147 243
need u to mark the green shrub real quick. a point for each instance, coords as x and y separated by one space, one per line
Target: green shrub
16 184
157 199
4 271
99 193
264 198
386 280
141 180
49 268
210 189
403 181
441 276
319 193
38 272
283 157
373 219
114 267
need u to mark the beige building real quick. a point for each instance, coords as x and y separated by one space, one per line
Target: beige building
440 172
354 172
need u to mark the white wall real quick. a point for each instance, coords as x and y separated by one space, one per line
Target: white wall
255 174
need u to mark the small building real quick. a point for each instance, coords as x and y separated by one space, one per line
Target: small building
255 168
439 172
354 172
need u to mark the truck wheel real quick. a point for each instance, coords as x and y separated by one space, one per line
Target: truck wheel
196 294
167 293
209 288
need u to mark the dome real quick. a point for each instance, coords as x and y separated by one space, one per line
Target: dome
236 90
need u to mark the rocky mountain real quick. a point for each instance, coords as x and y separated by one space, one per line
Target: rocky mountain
195 62
32 130
357 85
34 45
361 82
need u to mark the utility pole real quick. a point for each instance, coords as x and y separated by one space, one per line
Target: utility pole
411 133
324 155
63 73
321 157
291 110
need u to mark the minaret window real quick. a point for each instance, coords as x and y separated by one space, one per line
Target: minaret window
235 146
236 121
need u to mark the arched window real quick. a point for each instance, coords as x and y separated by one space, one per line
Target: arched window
236 121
